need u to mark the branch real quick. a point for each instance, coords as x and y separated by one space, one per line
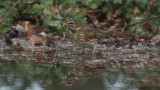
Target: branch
143 21
10 10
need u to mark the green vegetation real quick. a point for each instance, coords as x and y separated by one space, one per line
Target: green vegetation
42 8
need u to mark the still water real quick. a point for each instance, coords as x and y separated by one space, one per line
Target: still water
114 69
30 75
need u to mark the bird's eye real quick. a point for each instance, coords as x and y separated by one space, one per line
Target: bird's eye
71 22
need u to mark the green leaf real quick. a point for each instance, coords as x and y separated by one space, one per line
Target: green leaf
106 7
117 1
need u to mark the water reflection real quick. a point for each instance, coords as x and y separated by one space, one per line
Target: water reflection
22 75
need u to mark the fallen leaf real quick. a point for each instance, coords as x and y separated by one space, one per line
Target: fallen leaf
142 40
8 41
54 9
40 57
151 56
112 27
136 10
35 17
94 20
28 28
103 24
43 34
51 54
117 13
37 40
57 37
109 15
138 18
147 26
118 20
156 37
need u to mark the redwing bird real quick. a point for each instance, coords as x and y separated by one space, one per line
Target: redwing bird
82 34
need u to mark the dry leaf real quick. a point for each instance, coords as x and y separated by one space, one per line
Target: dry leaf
40 57
28 28
57 37
156 37
142 40
54 9
103 24
118 20
112 27
136 10
43 34
138 18
147 26
151 56
37 40
118 12
94 20
51 54
109 15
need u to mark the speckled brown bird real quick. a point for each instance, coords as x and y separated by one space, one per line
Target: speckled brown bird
83 34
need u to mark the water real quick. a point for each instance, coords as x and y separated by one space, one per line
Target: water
113 68
22 75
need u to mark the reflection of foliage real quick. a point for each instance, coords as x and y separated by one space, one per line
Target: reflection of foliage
30 72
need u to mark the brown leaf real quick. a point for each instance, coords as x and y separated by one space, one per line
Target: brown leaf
151 56
37 40
103 24
84 14
28 28
40 57
54 9
57 37
117 13
136 10
153 3
118 20
109 15
142 40
8 41
138 18
94 19
130 46
112 27
32 16
38 29
156 37
50 53
147 26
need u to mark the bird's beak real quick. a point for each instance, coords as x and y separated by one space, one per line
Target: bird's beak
65 24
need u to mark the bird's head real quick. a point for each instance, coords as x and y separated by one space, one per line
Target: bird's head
72 24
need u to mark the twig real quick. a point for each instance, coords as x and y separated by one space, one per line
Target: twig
64 36
143 21
10 10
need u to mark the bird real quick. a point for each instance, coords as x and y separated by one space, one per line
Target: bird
82 34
